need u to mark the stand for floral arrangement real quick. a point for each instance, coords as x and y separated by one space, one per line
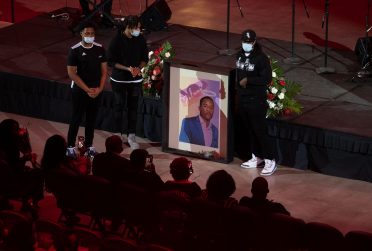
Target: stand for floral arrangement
325 68
293 59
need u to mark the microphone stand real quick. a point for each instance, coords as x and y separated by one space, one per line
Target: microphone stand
325 69
227 51
293 59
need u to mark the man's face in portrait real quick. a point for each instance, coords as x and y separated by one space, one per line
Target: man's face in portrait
206 109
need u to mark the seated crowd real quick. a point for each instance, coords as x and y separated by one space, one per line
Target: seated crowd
27 183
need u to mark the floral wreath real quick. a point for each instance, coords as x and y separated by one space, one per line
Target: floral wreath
281 93
152 73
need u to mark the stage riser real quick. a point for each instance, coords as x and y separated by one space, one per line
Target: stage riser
297 146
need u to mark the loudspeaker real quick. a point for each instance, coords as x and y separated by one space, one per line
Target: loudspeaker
154 18
363 50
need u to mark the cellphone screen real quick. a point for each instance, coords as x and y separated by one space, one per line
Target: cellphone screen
149 159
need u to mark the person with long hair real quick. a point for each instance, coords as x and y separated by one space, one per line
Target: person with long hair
127 54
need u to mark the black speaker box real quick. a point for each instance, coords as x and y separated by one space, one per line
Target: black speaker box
155 17
363 49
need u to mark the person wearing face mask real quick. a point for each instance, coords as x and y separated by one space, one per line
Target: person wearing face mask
127 54
253 77
87 68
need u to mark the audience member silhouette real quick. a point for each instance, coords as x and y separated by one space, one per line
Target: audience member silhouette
181 170
20 237
55 160
143 171
258 202
3 234
26 181
220 187
110 165
56 165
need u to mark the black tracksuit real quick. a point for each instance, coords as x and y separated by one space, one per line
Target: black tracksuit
252 105
126 89
88 62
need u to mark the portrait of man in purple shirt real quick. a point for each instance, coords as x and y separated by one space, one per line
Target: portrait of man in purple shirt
200 130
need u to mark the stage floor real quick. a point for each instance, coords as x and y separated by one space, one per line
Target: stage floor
38 47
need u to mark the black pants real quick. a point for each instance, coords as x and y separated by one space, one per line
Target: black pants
83 104
85 7
252 113
126 105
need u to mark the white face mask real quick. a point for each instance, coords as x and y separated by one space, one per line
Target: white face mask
89 40
247 47
135 33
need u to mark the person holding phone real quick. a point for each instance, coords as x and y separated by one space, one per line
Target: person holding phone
110 164
143 171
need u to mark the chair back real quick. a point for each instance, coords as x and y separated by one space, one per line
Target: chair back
87 238
208 223
11 218
286 232
99 195
135 203
47 231
242 227
118 244
172 212
323 237
157 247
19 230
358 241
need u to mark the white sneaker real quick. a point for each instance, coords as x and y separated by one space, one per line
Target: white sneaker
123 137
132 141
253 162
91 151
71 152
269 168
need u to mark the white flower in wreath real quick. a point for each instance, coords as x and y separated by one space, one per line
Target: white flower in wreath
273 90
281 95
153 77
274 74
280 105
167 54
271 104
150 54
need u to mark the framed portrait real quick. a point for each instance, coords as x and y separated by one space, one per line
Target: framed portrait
196 111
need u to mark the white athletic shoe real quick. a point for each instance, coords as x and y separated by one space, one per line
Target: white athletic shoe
132 141
253 162
269 168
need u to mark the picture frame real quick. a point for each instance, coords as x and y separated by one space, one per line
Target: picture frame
197 111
